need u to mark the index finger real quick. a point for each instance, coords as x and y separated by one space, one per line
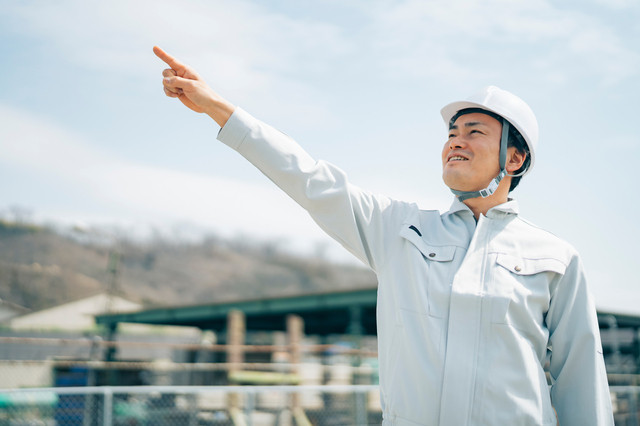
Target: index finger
168 59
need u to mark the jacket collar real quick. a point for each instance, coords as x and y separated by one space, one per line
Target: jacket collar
510 207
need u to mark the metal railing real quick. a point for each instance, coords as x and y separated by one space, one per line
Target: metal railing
221 405
626 405
191 405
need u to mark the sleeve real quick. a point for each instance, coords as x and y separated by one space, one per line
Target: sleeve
349 215
579 387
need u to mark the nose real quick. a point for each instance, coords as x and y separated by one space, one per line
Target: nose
456 142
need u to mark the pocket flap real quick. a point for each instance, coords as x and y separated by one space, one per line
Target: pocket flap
430 252
524 266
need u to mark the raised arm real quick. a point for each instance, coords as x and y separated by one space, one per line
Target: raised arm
355 218
183 82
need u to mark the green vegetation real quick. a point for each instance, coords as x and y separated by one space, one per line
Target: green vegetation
8 229
43 266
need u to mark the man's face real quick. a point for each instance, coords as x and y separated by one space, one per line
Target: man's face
470 157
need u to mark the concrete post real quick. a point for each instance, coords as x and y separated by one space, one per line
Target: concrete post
235 353
235 338
295 331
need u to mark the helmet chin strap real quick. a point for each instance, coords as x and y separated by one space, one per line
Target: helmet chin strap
493 185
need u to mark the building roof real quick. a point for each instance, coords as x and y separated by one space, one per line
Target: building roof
345 312
10 310
75 315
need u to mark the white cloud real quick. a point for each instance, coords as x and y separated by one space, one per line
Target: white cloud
260 56
240 43
617 4
250 47
462 40
147 195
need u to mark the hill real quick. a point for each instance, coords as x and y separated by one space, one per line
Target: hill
41 266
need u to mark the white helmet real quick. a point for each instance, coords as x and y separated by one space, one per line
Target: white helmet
508 106
514 113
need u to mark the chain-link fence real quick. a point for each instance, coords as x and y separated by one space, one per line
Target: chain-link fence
354 405
169 383
191 406
626 405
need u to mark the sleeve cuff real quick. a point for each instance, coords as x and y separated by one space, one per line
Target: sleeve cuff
236 128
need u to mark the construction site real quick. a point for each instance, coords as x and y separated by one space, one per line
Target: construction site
306 360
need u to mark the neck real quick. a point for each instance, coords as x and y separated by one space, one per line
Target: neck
481 205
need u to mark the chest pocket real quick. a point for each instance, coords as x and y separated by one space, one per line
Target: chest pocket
524 266
431 275
521 289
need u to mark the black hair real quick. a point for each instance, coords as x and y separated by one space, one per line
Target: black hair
515 140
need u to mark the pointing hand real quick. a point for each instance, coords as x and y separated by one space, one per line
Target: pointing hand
183 82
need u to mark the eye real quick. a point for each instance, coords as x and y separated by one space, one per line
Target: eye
476 131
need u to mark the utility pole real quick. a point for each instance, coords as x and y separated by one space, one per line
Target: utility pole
113 271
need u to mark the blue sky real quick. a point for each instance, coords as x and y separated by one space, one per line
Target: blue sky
88 137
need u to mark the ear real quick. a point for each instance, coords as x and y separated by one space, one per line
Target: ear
515 160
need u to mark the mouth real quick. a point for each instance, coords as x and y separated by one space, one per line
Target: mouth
456 158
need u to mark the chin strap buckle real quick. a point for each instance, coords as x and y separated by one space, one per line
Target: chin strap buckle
489 190
484 193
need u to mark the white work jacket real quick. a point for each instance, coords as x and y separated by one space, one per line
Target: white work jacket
466 311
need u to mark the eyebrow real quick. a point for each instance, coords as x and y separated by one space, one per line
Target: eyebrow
469 124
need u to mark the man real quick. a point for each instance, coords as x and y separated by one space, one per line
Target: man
470 301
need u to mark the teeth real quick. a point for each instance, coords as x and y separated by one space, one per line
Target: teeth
457 158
